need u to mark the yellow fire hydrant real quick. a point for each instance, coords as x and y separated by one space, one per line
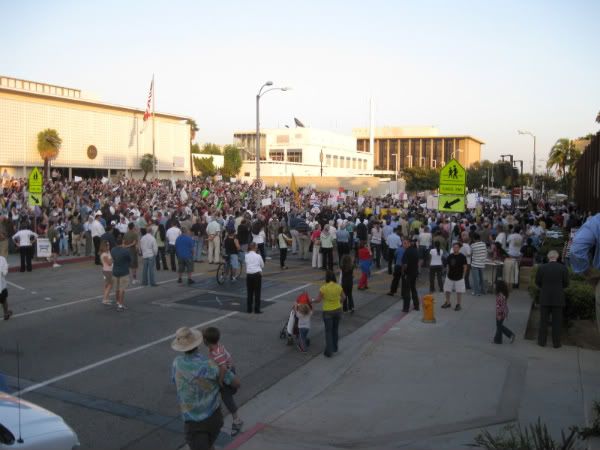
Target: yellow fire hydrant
428 310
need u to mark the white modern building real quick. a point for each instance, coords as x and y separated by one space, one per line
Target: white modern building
306 152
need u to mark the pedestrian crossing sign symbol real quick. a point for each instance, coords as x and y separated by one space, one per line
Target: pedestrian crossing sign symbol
453 178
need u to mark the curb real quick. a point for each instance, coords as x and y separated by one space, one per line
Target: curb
46 264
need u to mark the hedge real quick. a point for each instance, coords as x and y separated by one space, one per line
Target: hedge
579 296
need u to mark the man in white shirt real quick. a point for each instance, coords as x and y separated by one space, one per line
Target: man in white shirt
149 249
254 266
172 234
510 271
122 225
213 230
24 240
97 230
393 241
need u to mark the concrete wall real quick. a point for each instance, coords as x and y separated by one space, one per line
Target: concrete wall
351 183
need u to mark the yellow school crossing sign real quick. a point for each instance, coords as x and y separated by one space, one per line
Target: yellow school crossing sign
453 179
35 187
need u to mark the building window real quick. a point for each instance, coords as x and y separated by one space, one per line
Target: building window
276 155
294 155
335 161
328 160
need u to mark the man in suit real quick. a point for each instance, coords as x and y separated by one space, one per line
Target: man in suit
552 279
410 271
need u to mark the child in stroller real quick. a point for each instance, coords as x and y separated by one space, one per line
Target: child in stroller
297 325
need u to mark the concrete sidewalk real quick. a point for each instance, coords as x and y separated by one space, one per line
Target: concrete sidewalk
398 382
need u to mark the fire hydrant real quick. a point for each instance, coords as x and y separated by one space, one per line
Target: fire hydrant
428 310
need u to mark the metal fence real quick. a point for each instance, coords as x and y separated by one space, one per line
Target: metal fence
587 177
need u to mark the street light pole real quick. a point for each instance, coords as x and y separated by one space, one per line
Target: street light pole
534 142
258 96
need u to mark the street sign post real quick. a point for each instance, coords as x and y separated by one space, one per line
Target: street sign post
453 179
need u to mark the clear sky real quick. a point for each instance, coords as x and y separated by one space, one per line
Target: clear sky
484 68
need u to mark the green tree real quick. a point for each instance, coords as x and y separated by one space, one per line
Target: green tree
205 166
48 145
195 148
232 161
147 164
193 129
421 179
564 155
210 149
477 174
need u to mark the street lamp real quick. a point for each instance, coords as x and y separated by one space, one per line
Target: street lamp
321 160
533 136
258 96
459 150
521 163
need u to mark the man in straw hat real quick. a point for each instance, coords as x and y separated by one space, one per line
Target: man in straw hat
196 378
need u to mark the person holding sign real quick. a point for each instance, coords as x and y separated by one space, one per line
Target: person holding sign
24 239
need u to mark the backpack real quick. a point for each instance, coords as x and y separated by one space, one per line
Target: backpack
256 226
230 227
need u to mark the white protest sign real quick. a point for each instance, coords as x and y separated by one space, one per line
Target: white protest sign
104 180
266 202
360 200
44 249
77 179
286 206
183 195
471 201
432 202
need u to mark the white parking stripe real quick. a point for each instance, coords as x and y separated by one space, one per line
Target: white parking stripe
288 292
35 387
83 300
15 285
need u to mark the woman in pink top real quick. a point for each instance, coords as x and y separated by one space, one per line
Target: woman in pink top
107 266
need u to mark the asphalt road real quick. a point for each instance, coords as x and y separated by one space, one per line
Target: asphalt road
108 373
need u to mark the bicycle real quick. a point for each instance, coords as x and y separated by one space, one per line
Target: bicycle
224 270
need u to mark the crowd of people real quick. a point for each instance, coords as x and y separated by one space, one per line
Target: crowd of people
173 224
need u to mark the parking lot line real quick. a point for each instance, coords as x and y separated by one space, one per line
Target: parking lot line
15 285
83 300
50 381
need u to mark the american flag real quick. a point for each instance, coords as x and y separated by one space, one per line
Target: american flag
148 113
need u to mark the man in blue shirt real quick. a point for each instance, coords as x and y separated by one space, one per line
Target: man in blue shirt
342 238
184 249
587 239
196 378
398 256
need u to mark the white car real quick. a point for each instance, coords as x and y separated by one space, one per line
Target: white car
40 428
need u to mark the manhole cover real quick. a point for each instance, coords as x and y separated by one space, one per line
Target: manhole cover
220 301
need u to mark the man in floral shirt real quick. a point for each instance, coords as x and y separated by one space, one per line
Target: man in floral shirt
197 380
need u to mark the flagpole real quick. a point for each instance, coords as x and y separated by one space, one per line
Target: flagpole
153 127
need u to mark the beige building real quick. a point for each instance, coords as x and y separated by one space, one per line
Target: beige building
396 148
98 139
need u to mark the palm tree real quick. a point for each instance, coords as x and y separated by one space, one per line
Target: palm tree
193 129
147 164
48 145
564 156
598 117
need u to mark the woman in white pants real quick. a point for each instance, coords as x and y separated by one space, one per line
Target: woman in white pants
317 257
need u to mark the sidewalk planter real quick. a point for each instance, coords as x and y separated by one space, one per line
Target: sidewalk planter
579 295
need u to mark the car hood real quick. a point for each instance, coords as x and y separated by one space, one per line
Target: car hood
35 420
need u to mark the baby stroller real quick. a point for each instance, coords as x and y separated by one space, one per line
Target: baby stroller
290 330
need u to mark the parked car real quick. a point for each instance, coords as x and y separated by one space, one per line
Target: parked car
40 428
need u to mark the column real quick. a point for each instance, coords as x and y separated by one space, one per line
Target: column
70 174
420 164
387 151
